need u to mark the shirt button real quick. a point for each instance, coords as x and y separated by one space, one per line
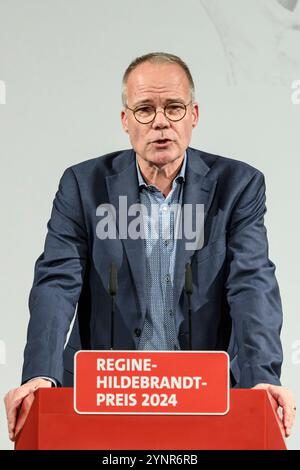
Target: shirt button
137 332
164 208
168 277
167 242
171 312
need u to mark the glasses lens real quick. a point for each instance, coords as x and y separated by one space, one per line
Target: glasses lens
144 114
175 111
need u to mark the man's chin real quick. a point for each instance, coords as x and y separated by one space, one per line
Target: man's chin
161 157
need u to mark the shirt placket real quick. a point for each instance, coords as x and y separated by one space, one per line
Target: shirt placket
167 247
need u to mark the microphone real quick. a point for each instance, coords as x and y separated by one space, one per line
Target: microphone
112 289
188 286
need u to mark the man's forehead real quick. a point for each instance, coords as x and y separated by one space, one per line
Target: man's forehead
157 67
157 80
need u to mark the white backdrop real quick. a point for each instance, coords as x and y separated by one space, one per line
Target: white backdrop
61 64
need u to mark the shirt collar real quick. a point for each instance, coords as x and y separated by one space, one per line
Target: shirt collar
180 177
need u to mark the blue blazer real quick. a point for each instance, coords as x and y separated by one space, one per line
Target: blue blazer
236 304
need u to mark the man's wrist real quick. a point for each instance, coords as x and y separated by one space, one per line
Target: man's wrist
53 381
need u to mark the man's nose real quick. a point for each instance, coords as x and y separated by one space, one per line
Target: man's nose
160 120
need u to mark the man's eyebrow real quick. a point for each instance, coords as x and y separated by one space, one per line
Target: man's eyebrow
168 100
174 100
146 101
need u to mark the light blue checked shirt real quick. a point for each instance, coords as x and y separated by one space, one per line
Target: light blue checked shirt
159 330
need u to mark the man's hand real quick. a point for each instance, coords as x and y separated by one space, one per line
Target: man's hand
18 403
281 398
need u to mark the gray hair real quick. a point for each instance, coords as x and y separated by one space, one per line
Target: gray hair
157 58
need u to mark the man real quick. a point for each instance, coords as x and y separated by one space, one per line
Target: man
235 305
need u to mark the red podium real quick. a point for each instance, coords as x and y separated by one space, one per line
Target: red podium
53 424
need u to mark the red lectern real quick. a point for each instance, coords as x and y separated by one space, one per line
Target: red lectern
53 424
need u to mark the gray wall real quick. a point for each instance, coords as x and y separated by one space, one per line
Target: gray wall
61 64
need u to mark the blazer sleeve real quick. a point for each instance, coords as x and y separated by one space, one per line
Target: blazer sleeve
58 278
252 289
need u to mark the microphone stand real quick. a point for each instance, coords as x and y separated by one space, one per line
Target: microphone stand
189 290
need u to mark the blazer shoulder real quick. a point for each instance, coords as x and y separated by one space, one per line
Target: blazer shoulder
227 167
102 165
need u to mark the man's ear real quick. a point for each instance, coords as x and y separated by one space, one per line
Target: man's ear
124 120
195 113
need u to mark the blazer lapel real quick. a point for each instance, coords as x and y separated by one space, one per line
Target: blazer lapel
198 189
125 183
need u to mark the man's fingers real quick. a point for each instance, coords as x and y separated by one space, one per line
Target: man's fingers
11 405
283 398
286 400
288 418
11 421
275 407
23 413
13 399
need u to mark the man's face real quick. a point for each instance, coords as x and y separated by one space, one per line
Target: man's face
161 141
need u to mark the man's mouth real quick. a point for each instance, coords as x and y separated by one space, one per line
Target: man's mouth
162 141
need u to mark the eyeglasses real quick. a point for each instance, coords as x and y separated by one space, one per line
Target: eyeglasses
145 114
